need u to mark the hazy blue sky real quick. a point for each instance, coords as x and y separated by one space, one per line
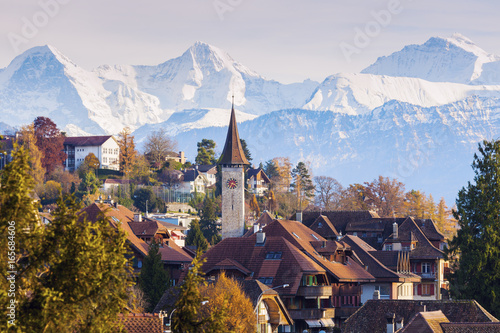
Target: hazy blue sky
285 40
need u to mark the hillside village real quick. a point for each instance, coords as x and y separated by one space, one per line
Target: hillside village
313 270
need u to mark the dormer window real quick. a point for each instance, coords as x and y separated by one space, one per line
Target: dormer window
274 255
388 247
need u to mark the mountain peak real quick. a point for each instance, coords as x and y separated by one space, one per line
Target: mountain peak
453 59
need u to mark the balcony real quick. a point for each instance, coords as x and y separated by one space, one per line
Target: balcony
430 275
314 291
312 313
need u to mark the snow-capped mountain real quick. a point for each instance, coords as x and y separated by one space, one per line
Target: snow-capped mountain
416 114
454 59
207 77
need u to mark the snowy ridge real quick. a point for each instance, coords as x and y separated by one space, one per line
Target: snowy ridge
352 93
454 59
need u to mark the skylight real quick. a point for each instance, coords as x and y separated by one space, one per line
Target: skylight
316 238
293 233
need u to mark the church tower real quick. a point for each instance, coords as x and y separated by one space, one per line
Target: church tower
233 182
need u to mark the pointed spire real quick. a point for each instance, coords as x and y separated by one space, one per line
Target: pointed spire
233 152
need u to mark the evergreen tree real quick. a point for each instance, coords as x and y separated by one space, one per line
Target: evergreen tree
208 222
72 275
153 279
144 199
195 237
477 243
246 151
89 185
206 152
187 319
302 185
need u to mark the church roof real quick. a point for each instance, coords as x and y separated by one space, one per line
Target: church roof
233 152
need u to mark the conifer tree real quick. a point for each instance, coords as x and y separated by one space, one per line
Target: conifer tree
153 279
477 273
187 318
208 222
71 275
302 184
195 237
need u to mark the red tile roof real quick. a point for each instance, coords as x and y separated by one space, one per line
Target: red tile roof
141 323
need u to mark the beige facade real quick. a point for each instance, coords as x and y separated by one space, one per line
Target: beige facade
233 202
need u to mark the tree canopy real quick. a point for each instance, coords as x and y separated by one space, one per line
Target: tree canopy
157 146
153 279
50 142
127 151
477 243
206 152
72 275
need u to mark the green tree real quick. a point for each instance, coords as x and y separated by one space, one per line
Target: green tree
206 152
477 274
302 185
153 279
208 222
72 275
89 185
145 199
187 319
195 237
246 151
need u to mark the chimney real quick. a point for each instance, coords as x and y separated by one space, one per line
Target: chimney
255 228
390 322
376 294
137 218
421 307
261 237
395 230
299 217
399 323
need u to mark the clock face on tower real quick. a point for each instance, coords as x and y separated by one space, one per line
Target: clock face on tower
231 183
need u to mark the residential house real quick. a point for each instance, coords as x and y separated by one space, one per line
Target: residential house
209 171
384 316
193 181
393 238
324 282
112 184
105 148
257 181
175 258
177 157
389 284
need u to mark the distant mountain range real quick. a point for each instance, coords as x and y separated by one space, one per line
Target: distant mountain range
416 114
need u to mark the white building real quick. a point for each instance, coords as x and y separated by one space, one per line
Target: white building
105 148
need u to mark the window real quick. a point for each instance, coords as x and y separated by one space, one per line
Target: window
374 234
320 225
426 289
314 236
364 234
384 290
309 280
426 267
406 248
266 280
274 255
293 233
104 150
355 233
388 247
